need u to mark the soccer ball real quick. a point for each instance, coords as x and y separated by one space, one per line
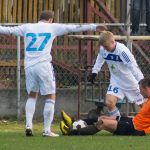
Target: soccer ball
79 124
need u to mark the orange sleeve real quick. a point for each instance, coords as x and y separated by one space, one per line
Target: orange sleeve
147 130
142 120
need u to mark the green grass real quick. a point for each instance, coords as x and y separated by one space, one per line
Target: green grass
12 138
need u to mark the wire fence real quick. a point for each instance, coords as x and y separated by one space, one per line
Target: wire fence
69 67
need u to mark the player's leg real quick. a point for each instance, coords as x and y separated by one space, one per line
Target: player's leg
113 94
69 121
30 109
88 130
66 118
107 124
48 113
111 101
134 96
32 89
48 89
122 127
104 124
64 128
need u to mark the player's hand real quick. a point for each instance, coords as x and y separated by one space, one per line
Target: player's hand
92 78
101 117
101 28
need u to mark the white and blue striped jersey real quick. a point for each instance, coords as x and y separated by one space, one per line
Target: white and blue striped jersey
122 65
38 38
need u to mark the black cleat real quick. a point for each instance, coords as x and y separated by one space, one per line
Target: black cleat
28 132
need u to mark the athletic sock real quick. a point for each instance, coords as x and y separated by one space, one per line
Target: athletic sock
48 114
30 109
114 112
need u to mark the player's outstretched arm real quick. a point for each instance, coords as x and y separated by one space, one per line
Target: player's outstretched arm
17 30
62 29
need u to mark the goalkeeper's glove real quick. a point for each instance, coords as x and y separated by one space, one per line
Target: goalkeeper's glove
92 78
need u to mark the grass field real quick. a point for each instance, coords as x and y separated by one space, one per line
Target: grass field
12 138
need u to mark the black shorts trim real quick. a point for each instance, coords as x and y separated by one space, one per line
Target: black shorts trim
125 127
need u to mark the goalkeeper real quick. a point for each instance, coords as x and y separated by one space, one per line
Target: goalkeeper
136 126
124 71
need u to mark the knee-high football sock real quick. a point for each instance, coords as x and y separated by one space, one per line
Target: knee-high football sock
48 114
30 109
114 112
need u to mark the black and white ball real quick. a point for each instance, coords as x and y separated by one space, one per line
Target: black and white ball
79 124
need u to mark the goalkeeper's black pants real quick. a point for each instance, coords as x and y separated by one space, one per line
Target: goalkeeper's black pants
89 130
90 121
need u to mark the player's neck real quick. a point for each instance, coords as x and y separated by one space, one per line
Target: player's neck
44 21
114 48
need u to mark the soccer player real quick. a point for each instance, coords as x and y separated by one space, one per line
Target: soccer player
38 39
124 71
137 126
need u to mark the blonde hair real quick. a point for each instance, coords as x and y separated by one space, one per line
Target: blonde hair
105 36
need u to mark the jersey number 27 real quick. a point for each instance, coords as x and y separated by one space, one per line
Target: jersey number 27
34 37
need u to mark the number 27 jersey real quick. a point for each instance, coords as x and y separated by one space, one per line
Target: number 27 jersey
38 38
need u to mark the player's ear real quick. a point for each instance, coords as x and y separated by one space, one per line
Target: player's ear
50 20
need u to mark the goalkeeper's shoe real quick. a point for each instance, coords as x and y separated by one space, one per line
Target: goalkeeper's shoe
50 134
64 129
66 118
28 132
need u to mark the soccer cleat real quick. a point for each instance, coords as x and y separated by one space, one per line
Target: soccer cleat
50 134
28 132
64 129
66 118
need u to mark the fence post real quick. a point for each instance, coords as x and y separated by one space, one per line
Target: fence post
128 24
89 43
79 80
18 77
129 44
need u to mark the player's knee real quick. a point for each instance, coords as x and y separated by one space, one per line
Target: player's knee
99 124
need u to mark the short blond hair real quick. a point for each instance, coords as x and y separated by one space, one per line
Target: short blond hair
105 36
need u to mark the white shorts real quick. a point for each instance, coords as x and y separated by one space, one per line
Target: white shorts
133 96
41 78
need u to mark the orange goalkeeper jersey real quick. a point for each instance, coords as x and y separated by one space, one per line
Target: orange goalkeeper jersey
142 120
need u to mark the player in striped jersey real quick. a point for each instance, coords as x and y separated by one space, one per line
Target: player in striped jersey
124 71
38 39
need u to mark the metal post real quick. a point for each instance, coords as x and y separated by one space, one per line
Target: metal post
18 77
89 12
79 80
129 44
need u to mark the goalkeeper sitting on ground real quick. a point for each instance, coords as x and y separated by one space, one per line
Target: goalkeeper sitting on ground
138 125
